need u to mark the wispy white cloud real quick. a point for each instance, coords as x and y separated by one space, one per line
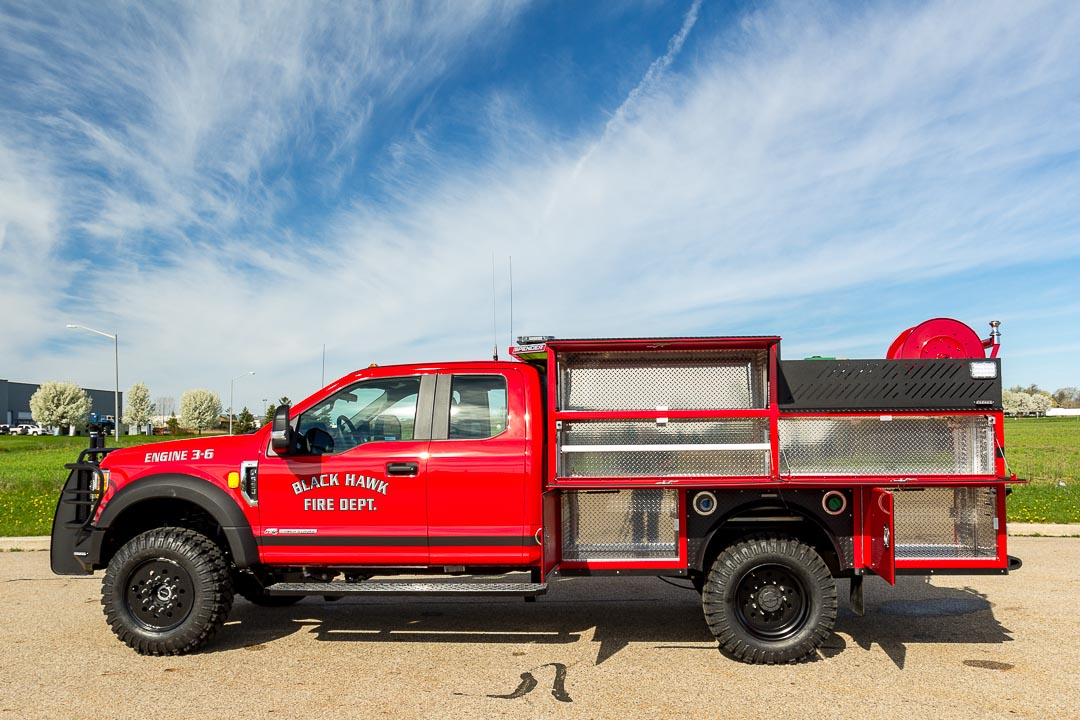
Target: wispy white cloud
803 173
30 218
192 115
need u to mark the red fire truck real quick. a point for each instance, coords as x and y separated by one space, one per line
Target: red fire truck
759 480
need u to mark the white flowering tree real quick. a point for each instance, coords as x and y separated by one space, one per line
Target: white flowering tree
1019 403
200 409
1041 402
60 404
137 406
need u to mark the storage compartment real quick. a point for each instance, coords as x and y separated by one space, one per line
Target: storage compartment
887 445
620 525
671 380
686 447
946 523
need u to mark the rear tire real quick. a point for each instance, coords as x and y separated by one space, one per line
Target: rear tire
167 591
769 599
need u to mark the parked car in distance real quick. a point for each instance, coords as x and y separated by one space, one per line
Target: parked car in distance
4 429
30 429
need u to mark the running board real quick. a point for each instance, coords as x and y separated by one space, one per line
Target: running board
366 587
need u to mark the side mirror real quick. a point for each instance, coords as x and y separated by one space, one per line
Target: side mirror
281 433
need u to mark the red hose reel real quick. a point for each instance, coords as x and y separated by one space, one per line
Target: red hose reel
943 338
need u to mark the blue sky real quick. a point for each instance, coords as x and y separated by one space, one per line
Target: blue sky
230 186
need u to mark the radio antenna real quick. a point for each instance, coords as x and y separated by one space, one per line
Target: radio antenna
511 258
494 308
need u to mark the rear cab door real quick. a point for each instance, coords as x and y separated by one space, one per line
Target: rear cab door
483 481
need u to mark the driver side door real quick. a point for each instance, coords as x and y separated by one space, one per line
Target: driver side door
356 493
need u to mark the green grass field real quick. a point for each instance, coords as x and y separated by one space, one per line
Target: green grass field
32 473
1045 451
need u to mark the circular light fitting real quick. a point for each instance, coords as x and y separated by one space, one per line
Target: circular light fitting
834 502
705 503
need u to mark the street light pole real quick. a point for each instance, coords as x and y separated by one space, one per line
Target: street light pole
231 383
116 361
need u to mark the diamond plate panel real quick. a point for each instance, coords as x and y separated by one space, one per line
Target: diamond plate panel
931 445
663 463
660 463
620 525
393 587
946 523
673 432
686 380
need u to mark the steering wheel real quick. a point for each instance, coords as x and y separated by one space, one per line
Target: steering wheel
344 425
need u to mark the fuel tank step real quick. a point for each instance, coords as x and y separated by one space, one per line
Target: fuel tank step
342 589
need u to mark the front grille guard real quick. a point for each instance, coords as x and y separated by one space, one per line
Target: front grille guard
88 489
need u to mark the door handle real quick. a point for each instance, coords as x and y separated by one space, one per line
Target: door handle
402 468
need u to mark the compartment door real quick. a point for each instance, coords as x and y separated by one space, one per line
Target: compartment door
552 538
879 540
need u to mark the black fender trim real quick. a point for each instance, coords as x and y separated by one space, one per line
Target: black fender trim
799 504
215 501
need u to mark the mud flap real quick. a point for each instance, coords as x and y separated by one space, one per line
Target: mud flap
856 599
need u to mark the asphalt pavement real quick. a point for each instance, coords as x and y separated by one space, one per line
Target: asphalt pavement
941 647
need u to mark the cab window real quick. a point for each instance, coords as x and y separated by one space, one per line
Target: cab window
379 410
477 406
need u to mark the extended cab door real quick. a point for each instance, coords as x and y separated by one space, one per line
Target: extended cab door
477 477
356 491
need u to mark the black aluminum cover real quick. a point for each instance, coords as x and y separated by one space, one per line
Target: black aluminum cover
811 385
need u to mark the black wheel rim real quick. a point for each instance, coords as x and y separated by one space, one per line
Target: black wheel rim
771 602
159 594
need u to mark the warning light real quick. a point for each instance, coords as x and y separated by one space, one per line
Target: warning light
705 503
834 502
983 370
234 480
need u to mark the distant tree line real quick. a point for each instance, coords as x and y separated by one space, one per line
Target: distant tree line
66 406
1032 400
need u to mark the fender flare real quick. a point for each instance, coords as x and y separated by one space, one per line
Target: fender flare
202 493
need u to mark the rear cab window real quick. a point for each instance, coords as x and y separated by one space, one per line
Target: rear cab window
478 407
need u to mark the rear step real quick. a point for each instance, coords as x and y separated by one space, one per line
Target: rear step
341 589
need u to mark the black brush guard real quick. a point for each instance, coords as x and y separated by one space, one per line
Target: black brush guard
75 544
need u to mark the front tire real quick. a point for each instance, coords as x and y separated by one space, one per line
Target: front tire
167 591
769 599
